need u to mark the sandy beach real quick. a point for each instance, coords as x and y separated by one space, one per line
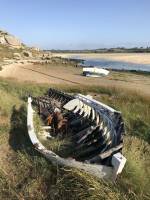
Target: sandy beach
137 58
59 74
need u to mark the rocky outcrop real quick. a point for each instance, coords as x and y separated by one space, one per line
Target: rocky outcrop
9 40
13 41
2 40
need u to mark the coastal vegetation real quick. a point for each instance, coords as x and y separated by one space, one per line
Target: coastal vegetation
24 174
107 50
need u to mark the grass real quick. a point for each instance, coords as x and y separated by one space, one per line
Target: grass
6 52
24 174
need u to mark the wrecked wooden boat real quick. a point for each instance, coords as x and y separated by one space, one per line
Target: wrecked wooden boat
95 132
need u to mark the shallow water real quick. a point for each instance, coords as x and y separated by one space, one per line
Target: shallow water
118 65
111 64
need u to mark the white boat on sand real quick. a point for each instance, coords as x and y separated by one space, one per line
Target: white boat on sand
94 72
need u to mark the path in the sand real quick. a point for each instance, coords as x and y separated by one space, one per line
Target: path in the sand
72 76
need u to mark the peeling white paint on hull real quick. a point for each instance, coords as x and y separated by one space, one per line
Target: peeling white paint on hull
97 170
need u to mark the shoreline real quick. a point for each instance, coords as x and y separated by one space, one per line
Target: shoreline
140 72
69 75
7 68
134 58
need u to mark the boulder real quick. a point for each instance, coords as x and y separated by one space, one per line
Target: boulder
2 40
17 56
12 40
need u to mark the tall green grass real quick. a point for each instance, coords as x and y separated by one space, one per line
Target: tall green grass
24 174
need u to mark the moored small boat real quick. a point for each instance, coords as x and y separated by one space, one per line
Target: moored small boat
94 72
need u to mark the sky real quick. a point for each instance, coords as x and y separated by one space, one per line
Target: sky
77 24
